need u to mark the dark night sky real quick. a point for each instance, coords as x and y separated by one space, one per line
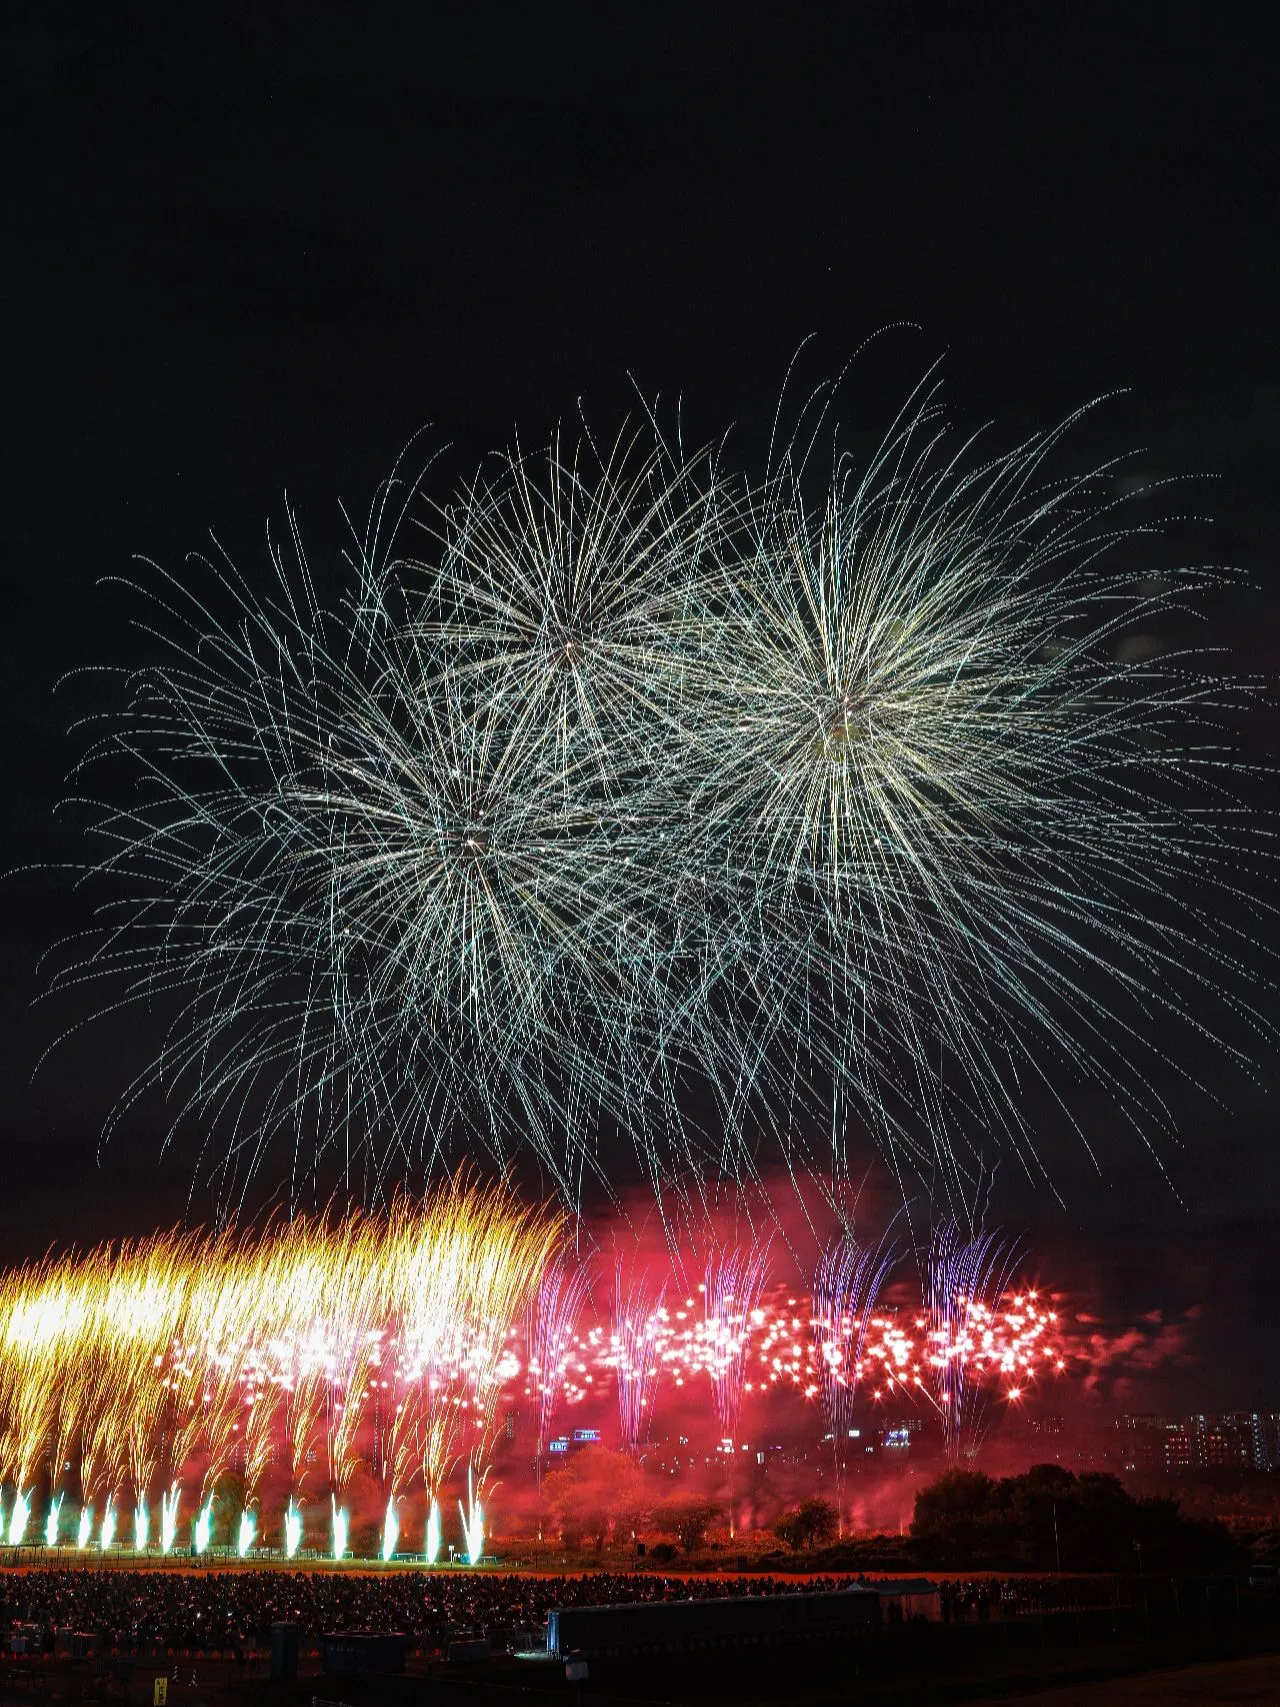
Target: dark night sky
247 256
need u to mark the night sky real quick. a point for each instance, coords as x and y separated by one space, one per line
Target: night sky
249 257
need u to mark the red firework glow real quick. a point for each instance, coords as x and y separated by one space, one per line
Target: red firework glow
403 1356
781 1343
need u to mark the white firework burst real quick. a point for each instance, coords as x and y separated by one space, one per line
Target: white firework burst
642 805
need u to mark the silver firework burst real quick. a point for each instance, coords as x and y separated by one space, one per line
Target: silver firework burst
641 805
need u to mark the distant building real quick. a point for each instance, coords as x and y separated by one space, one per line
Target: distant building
564 1445
1179 1447
1260 1428
1227 1442
1142 1444
895 1442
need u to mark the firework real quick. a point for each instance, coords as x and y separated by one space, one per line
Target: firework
634 1355
742 1338
730 1297
411 845
551 1344
472 1515
18 1518
433 1539
292 1530
340 1524
955 791
179 1356
846 1287
168 1519
961 1274
390 1531
427 1305
263 1400
857 793
193 1351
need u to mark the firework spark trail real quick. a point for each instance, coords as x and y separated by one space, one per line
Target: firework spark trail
28 1406
397 1445
962 1271
436 1444
634 1355
354 1348
731 1293
303 1422
846 1288
553 1320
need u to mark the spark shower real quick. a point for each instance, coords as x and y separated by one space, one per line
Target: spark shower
136 1379
622 804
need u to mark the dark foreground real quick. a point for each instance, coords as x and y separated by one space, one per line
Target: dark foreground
1060 1640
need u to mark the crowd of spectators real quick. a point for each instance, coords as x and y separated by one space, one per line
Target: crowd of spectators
232 1612
967 1600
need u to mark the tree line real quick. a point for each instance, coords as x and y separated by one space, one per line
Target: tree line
1046 1519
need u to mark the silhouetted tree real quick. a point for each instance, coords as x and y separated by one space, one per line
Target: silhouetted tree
687 1519
1048 1516
810 1524
596 1493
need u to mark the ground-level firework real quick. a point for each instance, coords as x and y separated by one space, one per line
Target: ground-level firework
153 1369
179 1387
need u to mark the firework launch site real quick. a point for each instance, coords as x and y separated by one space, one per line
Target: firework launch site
413 1385
446 1428
457 1384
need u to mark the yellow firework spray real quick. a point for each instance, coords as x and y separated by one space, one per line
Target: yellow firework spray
145 1364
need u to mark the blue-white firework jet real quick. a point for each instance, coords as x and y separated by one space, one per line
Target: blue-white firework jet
964 1275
